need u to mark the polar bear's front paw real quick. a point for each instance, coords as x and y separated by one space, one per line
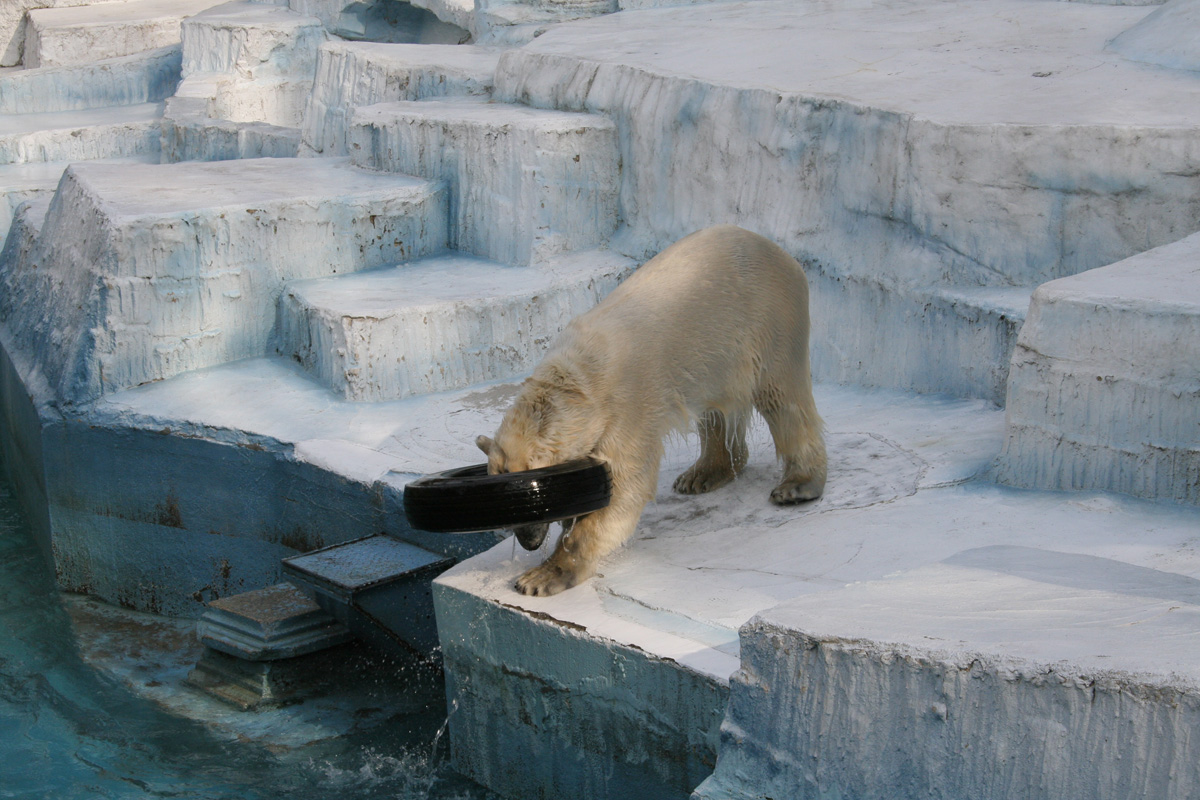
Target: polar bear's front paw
698 480
545 580
797 490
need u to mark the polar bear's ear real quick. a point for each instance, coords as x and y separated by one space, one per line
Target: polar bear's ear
485 444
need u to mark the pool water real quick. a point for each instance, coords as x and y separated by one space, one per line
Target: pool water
69 731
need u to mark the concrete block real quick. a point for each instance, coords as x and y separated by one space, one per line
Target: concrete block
1104 390
147 271
191 133
443 323
525 183
352 74
80 34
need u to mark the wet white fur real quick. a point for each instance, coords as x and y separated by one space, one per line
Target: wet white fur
713 326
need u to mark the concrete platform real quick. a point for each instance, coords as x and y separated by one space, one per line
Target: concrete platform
21 183
906 543
525 184
442 323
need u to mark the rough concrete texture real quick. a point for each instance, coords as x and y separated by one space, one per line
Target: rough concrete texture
525 184
1104 391
14 23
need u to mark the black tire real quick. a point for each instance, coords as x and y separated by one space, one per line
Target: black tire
467 499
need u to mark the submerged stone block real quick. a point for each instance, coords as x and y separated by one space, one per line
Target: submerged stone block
147 271
352 74
442 323
525 183
1104 389
269 624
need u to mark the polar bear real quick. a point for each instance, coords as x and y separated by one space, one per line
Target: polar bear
712 326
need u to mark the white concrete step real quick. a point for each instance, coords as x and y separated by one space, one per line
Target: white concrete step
116 132
1104 391
442 323
525 183
80 34
352 74
130 80
145 271
954 339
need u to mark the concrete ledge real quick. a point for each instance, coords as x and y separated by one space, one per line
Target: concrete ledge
525 184
1104 390
542 708
352 74
1002 672
443 323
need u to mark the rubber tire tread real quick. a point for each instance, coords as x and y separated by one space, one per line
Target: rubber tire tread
467 499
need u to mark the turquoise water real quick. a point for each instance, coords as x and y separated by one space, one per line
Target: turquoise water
67 731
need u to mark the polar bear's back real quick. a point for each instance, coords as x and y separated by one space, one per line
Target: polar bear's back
703 319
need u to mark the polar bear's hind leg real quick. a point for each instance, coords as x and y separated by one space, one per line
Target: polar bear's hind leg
723 454
796 428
